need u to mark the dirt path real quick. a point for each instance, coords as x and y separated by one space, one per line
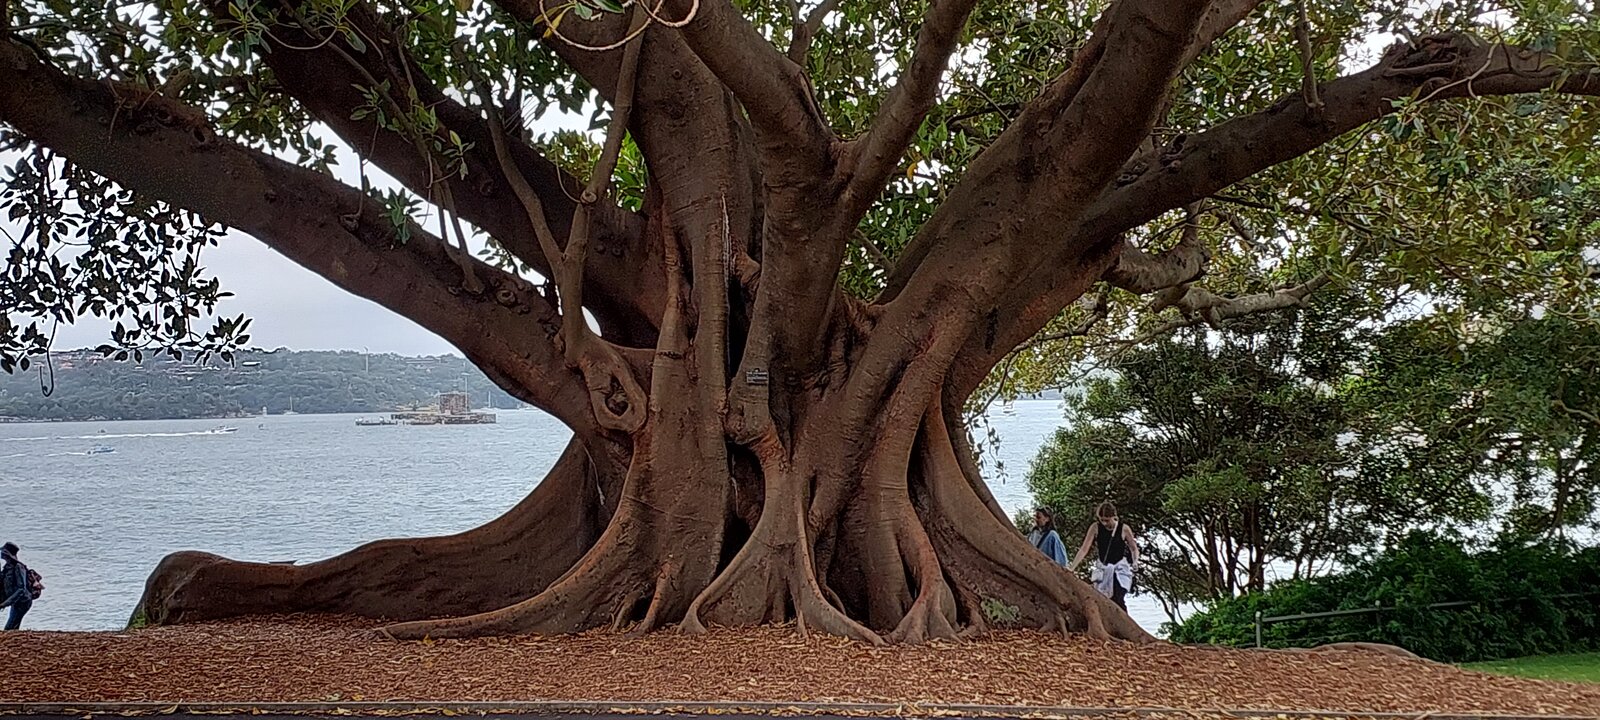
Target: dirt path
324 660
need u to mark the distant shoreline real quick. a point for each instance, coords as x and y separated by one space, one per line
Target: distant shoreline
40 421
8 420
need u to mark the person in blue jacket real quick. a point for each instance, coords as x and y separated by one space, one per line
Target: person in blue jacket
1045 537
14 586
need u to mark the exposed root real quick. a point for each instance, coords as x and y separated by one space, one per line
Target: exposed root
933 615
811 607
666 584
992 560
623 614
972 608
502 562
593 594
930 617
773 571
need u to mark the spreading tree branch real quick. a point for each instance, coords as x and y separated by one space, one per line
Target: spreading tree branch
1220 17
1097 307
328 79
873 251
1193 168
876 154
168 152
1433 68
805 30
1198 305
1141 273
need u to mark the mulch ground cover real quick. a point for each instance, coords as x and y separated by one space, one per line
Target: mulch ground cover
320 659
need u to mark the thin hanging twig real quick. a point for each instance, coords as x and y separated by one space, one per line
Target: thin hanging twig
1302 34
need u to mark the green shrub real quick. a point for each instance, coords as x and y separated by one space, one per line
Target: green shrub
1521 603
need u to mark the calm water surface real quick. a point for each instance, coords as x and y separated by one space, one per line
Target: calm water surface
298 487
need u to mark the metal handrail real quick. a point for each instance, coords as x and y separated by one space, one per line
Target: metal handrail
1262 621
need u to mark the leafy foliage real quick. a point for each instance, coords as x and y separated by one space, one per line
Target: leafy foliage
90 249
1510 406
1232 452
1521 599
1432 200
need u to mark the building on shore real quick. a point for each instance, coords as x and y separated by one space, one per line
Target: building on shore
454 409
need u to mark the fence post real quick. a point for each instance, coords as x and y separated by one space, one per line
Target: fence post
1258 628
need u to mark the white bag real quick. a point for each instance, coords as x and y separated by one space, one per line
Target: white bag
1099 571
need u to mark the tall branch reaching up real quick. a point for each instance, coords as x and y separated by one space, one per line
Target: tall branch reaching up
618 400
1220 17
773 89
876 154
1066 144
1064 149
796 154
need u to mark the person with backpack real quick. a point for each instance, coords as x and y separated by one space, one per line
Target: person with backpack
1116 554
19 586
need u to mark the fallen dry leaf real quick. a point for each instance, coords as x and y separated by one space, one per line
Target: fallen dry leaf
305 658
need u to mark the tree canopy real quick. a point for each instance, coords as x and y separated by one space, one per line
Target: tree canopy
807 235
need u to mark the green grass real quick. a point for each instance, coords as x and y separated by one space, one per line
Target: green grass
1584 667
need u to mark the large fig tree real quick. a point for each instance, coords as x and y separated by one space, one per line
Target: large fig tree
803 238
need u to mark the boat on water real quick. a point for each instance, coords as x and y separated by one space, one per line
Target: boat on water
223 430
371 422
101 450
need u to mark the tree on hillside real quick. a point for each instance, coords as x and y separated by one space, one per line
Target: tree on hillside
830 223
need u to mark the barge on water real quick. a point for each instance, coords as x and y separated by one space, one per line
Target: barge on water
453 410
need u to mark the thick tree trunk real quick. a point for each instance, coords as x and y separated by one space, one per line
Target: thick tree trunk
879 532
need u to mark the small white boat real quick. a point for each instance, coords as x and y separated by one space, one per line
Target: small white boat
101 450
223 430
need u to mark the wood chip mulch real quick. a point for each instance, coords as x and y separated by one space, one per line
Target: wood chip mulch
331 659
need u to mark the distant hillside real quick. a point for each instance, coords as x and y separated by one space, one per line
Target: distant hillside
90 387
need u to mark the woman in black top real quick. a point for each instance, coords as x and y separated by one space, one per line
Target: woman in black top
1116 554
